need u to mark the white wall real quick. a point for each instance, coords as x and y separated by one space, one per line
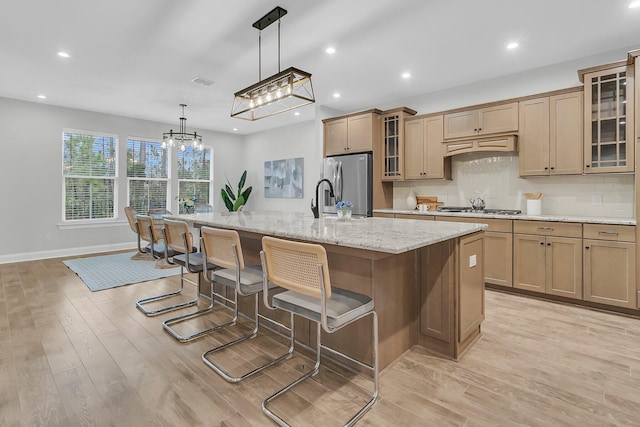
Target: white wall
31 176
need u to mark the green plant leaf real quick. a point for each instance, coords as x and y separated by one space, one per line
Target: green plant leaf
226 200
243 179
230 192
238 203
246 193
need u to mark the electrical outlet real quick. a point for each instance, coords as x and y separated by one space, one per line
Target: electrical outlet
472 261
596 200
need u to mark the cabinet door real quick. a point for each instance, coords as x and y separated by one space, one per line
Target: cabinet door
461 124
360 133
501 118
533 137
565 138
498 258
529 262
608 121
434 149
392 147
610 272
564 267
413 149
335 137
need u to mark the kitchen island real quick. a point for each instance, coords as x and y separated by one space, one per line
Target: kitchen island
426 278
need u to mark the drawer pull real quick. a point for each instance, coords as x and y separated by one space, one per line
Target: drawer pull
608 233
545 228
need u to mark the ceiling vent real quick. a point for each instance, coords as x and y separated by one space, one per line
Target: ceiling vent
202 81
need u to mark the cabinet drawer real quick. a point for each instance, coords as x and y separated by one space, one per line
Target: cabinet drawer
382 215
497 225
621 233
548 228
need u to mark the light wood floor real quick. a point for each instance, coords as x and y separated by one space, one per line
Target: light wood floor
72 357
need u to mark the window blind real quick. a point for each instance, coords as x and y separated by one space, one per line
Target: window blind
194 176
147 175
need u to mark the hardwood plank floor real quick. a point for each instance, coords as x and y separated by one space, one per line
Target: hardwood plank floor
71 357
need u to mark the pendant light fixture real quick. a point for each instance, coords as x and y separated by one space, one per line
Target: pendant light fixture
182 138
284 91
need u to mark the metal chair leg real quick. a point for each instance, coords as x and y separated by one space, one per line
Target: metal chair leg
316 367
225 374
140 303
167 324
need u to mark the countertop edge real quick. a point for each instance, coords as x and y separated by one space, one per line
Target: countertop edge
552 218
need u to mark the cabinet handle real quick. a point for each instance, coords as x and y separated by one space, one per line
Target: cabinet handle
552 168
586 166
545 228
609 233
542 243
546 168
586 247
548 244
479 129
475 130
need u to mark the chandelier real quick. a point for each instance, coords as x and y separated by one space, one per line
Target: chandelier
182 138
284 91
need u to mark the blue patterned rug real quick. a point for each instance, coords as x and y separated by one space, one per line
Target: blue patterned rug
110 271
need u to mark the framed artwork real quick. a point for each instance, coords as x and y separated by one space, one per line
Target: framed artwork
283 178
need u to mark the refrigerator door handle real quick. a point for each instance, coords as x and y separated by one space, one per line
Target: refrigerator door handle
338 183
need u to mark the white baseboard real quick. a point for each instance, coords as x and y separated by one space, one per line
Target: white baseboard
58 253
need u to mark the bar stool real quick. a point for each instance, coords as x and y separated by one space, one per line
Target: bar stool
249 276
177 238
302 269
142 254
222 248
148 231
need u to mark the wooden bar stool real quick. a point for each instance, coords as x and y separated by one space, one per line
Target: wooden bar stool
178 239
222 248
303 270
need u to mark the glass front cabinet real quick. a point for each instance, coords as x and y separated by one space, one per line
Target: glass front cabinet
393 143
608 121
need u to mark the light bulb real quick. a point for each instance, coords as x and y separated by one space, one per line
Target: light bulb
251 104
268 97
259 101
278 93
164 144
170 142
182 147
289 89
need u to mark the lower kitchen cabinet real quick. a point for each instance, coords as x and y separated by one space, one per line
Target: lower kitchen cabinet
610 265
498 249
547 262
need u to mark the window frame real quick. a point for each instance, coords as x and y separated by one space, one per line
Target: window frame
168 170
114 178
180 180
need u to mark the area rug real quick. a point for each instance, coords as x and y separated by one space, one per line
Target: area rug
110 271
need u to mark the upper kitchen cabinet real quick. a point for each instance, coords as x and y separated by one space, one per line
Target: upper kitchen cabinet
392 154
424 151
550 135
608 119
354 133
481 121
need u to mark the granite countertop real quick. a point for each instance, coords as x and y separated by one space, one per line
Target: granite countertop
375 234
556 218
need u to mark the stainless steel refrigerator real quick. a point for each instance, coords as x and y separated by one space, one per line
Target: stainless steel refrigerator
351 176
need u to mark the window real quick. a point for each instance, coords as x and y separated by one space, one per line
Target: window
146 175
89 168
194 176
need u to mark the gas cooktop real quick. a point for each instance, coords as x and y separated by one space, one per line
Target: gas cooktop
469 209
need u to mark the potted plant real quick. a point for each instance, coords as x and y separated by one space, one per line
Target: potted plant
229 198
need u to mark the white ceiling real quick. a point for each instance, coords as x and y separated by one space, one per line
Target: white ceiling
136 58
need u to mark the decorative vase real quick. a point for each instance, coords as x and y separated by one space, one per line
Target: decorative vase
344 214
412 202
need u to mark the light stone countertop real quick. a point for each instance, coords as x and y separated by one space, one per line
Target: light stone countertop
555 218
375 234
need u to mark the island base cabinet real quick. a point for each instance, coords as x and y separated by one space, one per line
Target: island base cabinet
451 295
610 272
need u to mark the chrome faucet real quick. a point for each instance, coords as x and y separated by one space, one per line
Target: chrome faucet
314 209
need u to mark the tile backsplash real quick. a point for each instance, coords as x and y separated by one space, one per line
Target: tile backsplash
495 176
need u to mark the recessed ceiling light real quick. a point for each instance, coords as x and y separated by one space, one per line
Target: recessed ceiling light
42 97
235 129
297 113
330 50
634 4
336 95
406 75
512 45
63 54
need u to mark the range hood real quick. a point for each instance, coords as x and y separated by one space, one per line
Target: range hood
490 143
